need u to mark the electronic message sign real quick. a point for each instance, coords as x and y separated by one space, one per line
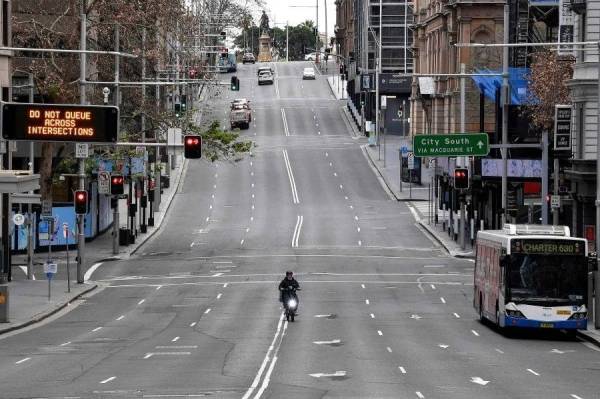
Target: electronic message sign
58 122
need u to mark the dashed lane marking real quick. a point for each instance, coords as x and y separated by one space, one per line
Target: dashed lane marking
23 360
207 311
475 333
380 333
402 369
175 339
533 372
420 395
456 315
108 380
120 318
193 324
97 329
372 316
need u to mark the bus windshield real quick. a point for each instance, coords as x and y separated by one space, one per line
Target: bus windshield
547 279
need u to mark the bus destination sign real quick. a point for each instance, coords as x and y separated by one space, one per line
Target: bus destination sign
57 122
547 247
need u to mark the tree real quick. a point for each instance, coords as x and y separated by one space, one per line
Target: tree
547 86
154 30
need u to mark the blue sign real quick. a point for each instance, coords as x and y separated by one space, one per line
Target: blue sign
404 150
49 275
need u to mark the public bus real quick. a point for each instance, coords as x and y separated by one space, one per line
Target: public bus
531 276
227 63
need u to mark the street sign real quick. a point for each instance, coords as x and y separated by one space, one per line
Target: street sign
18 219
555 201
451 145
174 136
50 268
103 183
82 150
59 122
411 160
46 208
562 127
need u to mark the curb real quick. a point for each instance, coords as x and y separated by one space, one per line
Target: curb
588 337
169 202
452 252
48 314
378 174
350 121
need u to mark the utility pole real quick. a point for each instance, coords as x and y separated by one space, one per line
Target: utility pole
287 41
317 36
377 72
83 101
463 106
29 207
556 211
597 273
505 102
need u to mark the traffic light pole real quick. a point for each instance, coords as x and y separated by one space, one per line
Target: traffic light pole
82 96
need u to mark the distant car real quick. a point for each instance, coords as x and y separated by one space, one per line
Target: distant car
265 78
308 73
310 57
248 58
265 68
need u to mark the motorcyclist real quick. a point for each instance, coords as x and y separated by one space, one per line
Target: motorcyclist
287 287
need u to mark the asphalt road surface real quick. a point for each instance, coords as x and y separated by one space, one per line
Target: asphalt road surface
384 312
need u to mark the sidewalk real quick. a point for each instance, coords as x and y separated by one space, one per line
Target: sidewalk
591 335
28 299
385 161
338 87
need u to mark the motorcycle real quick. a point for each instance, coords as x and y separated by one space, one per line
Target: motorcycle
290 303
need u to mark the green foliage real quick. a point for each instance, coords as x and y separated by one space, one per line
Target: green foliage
220 144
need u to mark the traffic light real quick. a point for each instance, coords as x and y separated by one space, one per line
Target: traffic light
223 35
224 52
116 184
235 83
81 202
192 147
461 178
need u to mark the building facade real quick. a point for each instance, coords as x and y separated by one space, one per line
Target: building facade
584 96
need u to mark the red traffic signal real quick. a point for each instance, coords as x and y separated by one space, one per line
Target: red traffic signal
192 147
81 202
116 184
461 178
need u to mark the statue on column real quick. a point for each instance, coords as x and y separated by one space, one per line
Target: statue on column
264 23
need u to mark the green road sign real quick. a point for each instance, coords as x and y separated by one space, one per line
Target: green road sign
451 145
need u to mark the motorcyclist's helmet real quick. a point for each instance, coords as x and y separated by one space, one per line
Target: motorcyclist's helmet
289 273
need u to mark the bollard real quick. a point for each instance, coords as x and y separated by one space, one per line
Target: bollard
4 303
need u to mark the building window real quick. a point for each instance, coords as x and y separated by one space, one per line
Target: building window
5 23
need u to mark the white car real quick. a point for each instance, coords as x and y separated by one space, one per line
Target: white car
308 73
265 78
310 57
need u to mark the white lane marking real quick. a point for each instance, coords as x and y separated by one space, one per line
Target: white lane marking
333 341
242 242
326 154
274 350
339 373
120 317
335 174
443 346
177 347
435 266
433 286
402 369
442 299
499 351
97 329
380 333
533 372
159 287
591 346
285 124
175 339
389 349
420 395
219 296
456 315
346 198
475 333
108 380
372 316
207 218
88 273
479 380
288 166
23 360
330 163
225 285
142 301
210 207
358 229
217 275
359 243
415 316
251 218
297 229
322 315
65 343
575 396
207 311
363 286
367 301
148 355
356 218
193 324
420 284
213 196
24 268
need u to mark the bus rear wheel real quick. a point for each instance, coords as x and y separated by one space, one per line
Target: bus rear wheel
481 317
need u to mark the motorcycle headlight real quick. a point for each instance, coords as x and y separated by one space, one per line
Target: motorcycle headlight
292 303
